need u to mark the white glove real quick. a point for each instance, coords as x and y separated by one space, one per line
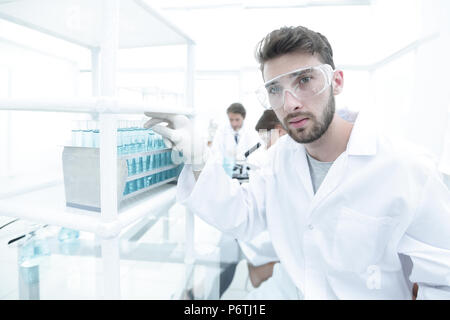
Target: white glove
180 133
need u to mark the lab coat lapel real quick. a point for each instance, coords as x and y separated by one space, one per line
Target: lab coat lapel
303 169
331 180
362 142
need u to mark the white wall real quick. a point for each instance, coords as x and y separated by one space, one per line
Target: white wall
411 96
431 102
31 141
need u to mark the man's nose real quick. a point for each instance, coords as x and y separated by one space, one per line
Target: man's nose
291 102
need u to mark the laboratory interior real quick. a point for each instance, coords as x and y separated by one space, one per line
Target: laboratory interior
88 195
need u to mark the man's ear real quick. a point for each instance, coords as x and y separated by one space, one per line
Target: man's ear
337 82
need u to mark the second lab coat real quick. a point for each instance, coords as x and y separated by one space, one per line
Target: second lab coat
224 142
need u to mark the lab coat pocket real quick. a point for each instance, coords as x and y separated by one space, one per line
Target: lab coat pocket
360 240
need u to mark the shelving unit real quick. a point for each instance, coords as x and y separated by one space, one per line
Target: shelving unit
47 205
102 26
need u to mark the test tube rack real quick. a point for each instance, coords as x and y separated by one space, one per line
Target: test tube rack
81 170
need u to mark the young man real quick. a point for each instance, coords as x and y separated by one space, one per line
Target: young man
340 200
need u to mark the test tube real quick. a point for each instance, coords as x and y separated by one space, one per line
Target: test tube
96 138
158 160
131 186
152 162
130 167
76 141
147 163
134 166
85 138
142 140
168 158
133 138
139 184
88 133
161 159
126 141
141 165
153 141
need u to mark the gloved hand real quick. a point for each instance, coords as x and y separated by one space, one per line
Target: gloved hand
181 136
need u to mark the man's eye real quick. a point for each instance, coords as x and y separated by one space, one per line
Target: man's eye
274 90
305 80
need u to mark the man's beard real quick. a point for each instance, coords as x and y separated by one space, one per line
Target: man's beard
319 126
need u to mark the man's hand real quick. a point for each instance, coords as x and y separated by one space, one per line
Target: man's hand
261 273
415 291
180 135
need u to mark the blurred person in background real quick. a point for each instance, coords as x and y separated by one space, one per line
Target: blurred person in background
234 139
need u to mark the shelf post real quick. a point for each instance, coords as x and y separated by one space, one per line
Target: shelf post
95 67
189 257
108 147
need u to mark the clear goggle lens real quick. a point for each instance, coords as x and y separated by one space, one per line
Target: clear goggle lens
302 83
269 137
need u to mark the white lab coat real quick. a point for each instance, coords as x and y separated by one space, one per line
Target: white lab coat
259 250
381 197
224 142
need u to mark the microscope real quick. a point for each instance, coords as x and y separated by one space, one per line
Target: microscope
241 167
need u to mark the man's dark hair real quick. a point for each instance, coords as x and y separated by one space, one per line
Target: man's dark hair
268 121
237 108
293 39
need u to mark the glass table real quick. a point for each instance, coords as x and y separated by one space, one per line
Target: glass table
41 261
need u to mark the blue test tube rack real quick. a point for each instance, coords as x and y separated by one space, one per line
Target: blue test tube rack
147 158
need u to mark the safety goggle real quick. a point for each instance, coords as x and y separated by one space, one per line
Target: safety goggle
269 137
302 83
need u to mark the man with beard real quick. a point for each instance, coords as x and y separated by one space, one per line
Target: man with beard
340 200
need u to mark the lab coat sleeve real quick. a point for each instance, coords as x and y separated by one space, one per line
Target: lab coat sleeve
427 241
260 250
222 202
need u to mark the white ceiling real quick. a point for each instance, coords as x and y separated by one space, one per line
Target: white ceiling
360 32
79 21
